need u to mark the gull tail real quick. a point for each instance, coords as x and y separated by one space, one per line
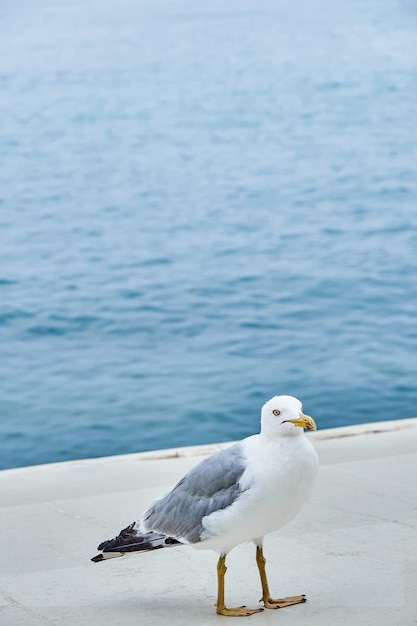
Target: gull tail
131 540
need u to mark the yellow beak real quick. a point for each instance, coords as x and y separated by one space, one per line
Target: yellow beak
304 421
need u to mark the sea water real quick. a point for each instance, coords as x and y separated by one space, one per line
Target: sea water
203 205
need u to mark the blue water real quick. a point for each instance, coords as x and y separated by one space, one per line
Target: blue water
203 205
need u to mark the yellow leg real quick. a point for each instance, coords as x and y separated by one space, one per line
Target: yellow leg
221 607
269 602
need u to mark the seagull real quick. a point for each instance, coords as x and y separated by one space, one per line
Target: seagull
238 495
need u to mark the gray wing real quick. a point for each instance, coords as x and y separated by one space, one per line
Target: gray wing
210 486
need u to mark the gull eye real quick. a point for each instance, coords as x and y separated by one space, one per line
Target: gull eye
276 412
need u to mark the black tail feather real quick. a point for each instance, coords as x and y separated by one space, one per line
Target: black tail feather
130 540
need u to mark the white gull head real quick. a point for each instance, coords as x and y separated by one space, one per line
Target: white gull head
283 416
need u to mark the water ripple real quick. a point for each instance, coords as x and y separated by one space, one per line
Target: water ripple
196 218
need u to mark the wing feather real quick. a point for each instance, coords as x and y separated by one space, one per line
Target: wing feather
210 486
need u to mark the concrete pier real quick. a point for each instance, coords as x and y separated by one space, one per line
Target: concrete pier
352 550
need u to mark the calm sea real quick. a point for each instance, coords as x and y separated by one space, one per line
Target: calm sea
203 205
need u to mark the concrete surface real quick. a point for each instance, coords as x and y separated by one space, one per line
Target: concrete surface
352 550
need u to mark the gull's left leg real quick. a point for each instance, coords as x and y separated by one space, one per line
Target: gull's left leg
222 609
269 602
